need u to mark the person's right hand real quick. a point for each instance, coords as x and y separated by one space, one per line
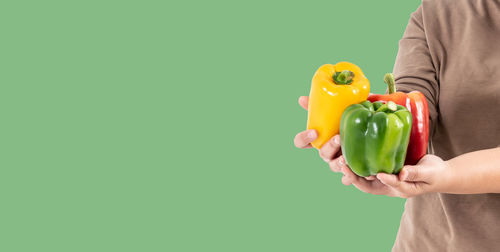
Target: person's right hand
330 152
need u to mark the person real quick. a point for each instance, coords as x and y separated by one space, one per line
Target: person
450 51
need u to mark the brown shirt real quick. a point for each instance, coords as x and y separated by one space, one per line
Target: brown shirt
450 51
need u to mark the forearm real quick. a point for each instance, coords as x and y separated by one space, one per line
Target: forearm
474 172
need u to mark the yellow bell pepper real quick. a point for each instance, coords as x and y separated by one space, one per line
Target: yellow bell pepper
333 89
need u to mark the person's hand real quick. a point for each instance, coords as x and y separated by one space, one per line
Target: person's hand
329 152
429 175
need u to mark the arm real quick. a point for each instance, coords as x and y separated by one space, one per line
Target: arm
474 172
470 173
415 66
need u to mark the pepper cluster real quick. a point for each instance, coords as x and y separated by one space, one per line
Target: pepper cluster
379 133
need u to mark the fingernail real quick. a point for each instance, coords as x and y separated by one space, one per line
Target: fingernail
336 140
311 134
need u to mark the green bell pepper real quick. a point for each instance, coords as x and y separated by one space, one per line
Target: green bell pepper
374 137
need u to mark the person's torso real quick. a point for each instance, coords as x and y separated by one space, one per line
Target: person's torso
464 42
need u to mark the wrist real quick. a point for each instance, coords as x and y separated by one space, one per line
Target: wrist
448 178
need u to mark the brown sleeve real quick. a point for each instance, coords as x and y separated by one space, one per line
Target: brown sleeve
414 68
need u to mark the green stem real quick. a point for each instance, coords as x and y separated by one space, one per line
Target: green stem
390 105
343 78
389 80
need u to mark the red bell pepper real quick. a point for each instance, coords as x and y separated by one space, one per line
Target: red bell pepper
416 103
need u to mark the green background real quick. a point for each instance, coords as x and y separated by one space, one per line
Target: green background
169 125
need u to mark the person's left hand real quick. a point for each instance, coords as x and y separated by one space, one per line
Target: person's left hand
429 175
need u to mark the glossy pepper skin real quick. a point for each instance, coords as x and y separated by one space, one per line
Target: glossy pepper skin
374 137
416 103
333 89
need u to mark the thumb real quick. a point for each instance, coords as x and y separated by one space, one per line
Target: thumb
389 179
415 173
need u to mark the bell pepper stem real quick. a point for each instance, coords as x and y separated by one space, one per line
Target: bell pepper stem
389 80
343 78
390 105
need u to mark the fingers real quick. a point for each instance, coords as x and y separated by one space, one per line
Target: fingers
368 186
330 148
389 179
304 101
349 177
415 173
304 138
400 188
337 164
